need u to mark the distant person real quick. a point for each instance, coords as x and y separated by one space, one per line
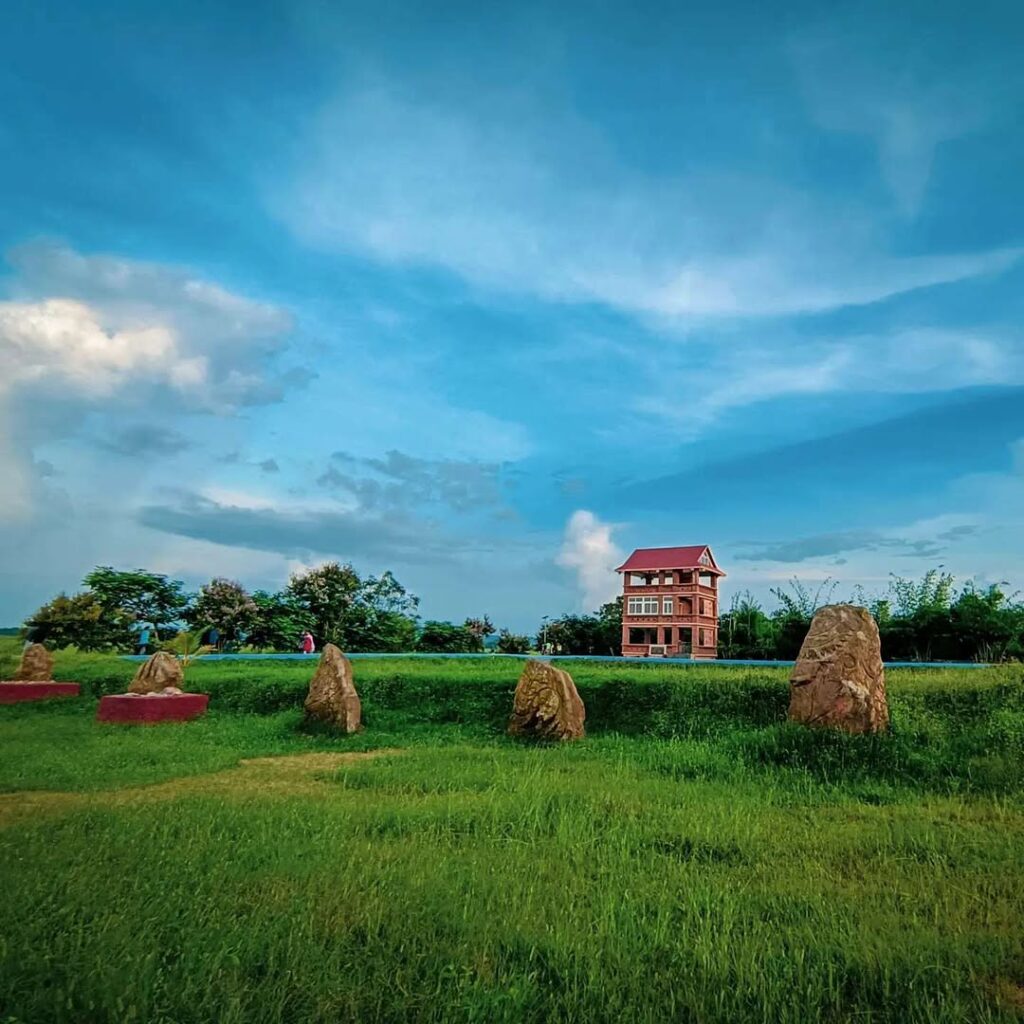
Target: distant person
213 637
308 646
144 640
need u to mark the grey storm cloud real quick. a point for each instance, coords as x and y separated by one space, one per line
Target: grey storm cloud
828 544
300 533
144 440
400 481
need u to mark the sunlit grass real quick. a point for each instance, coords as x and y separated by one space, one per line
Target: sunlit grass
694 859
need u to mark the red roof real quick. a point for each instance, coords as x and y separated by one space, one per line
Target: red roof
650 559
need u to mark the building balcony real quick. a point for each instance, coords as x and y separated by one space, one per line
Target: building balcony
636 589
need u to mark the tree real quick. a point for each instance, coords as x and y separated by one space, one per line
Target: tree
148 596
745 631
372 614
372 629
512 643
447 638
479 627
327 592
792 619
226 606
81 621
608 636
986 625
279 622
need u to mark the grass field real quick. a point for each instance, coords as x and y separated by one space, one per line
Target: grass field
695 859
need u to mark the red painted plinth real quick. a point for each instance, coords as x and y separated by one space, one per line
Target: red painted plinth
12 693
171 707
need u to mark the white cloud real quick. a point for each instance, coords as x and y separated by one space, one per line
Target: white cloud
913 360
589 551
83 333
63 343
536 202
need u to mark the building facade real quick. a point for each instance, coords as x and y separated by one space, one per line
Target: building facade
670 603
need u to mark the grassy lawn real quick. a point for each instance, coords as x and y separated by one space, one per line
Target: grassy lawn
694 859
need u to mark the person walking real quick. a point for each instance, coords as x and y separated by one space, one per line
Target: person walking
144 639
308 646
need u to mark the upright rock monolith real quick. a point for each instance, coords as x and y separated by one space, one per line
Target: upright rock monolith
36 665
838 681
161 672
546 704
332 697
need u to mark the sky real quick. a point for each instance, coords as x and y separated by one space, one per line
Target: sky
489 295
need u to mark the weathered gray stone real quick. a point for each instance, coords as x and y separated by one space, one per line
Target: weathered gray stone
161 670
332 697
547 705
36 665
838 681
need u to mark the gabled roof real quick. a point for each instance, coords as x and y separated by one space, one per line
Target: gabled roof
650 559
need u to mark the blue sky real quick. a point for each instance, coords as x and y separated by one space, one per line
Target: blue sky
490 297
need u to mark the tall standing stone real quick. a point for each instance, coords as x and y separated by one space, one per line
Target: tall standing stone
838 681
160 671
36 665
332 697
546 704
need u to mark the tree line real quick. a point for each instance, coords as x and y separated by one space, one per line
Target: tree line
918 620
333 602
923 620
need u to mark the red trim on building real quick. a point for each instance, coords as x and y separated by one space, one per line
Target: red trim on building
657 559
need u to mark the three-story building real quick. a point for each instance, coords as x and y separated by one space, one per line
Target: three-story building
670 603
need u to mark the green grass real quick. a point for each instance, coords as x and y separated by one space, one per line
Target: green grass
695 859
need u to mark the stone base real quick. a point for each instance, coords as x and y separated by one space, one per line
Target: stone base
15 691
131 709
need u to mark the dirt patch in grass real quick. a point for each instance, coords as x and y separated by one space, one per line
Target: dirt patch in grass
288 775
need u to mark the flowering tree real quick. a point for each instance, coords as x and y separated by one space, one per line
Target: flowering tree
225 606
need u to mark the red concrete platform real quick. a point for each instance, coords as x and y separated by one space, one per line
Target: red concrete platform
14 692
142 710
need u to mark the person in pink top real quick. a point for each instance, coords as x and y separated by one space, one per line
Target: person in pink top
308 647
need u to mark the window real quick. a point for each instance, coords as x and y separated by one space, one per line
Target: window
642 606
668 579
666 606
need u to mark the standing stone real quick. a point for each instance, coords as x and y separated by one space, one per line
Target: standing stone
36 665
838 681
332 697
161 670
547 705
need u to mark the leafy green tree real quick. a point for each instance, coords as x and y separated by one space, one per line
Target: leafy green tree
226 606
986 625
279 622
148 596
371 614
746 631
327 592
793 617
81 621
447 638
372 629
572 634
608 636
512 643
